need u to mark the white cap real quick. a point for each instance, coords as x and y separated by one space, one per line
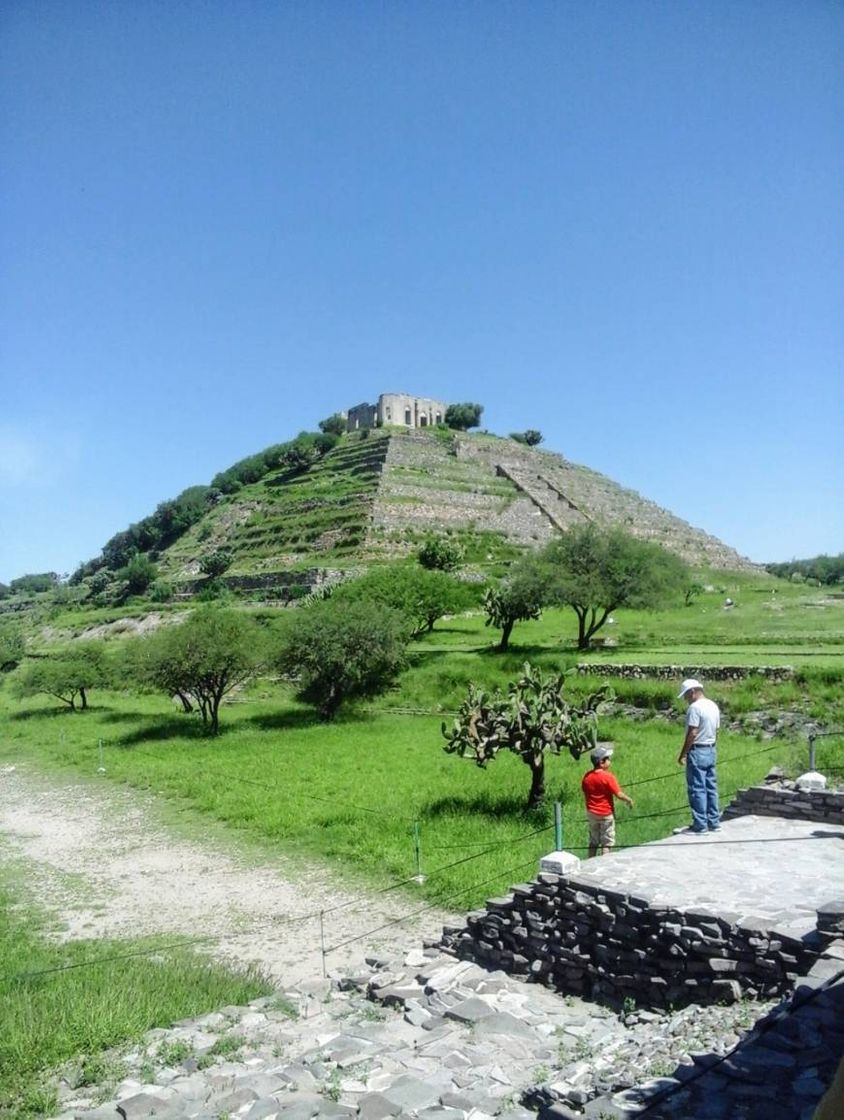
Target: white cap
688 685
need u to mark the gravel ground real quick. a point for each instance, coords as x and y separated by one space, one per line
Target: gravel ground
102 860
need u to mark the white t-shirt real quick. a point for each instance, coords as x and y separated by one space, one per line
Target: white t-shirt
704 714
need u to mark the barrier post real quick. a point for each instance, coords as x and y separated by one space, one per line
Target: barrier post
812 751
558 827
417 847
101 768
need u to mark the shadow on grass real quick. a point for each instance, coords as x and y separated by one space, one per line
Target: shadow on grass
53 713
283 720
482 805
161 728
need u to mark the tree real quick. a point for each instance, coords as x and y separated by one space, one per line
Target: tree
5 591
514 600
338 651
66 675
34 582
420 596
334 424
205 657
441 553
138 574
531 720
531 437
596 570
215 563
12 646
463 416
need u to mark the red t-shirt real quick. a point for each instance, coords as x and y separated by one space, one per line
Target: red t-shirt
598 788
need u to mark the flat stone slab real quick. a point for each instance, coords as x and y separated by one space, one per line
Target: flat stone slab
768 870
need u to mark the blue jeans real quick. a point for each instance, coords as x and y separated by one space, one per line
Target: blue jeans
702 786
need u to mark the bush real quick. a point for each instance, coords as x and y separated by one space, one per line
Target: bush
440 553
339 651
463 416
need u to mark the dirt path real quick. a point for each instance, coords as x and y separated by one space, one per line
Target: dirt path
105 863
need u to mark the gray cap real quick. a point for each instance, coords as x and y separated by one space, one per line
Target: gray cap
599 754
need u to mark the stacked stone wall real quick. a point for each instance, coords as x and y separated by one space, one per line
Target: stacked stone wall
598 498
784 799
285 584
603 945
773 673
466 493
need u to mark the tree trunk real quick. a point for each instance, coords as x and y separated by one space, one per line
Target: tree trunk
185 699
537 781
506 631
84 699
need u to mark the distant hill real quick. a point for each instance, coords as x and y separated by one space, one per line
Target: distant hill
378 494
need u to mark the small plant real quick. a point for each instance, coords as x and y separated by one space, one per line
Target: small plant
332 1086
171 1053
583 1049
282 1004
101 1069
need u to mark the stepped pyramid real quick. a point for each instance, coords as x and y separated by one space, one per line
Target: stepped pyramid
377 494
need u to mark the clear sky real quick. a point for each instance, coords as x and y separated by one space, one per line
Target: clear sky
620 223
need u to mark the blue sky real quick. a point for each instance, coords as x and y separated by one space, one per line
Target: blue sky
620 223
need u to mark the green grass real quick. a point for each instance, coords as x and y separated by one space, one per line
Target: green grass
54 1011
350 792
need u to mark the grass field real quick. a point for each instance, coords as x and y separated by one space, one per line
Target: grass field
357 791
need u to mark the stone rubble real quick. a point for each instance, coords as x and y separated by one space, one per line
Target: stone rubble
436 1038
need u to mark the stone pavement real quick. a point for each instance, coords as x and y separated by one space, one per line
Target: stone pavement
431 1038
755 867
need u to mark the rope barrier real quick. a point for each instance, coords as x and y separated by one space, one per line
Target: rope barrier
432 906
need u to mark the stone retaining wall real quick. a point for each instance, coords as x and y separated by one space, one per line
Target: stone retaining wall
783 799
599 944
281 583
775 673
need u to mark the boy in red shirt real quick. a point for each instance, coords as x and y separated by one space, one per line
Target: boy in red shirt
599 787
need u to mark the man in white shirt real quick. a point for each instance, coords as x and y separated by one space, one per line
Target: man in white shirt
697 754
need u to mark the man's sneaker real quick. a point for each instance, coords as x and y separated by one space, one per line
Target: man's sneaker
689 830
715 828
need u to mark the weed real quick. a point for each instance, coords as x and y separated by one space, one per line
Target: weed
171 1053
284 1005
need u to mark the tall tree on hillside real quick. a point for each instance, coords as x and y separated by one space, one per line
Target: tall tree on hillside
463 416
531 437
533 719
334 424
205 657
595 570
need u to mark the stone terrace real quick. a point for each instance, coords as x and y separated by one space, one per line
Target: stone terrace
686 919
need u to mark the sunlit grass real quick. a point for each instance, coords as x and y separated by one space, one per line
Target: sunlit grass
53 1010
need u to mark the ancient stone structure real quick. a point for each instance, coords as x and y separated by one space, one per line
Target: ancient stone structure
398 410
661 924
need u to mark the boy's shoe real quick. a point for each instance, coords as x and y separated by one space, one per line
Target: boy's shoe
689 830
715 828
